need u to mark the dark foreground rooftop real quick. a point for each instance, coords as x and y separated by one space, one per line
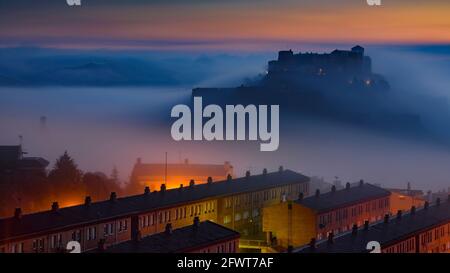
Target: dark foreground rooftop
387 232
70 217
180 240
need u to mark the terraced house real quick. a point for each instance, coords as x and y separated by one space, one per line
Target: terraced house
234 203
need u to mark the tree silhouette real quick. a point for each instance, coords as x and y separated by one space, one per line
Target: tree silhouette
66 178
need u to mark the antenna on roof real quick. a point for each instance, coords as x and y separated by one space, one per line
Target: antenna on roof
165 171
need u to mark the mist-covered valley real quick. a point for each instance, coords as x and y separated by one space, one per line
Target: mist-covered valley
107 110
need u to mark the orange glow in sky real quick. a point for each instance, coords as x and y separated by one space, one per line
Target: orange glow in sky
405 22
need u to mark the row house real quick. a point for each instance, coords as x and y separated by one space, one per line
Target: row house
118 220
425 230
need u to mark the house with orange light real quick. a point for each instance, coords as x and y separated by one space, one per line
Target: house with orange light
404 199
153 175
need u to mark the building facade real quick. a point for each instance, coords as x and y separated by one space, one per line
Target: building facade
425 230
172 175
295 223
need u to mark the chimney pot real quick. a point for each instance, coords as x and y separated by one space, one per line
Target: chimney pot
196 222
168 228
181 186
354 229
312 243
290 249
317 193
18 213
163 188
210 180
361 182
333 188
386 218
113 196
247 174
55 206
330 238
347 186
146 190
229 177
87 201
264 171
366 225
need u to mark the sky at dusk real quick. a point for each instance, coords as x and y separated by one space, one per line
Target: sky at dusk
245 24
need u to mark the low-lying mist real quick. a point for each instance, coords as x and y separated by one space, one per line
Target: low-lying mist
102 126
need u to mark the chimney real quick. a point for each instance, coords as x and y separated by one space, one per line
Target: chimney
229 178
280 169
87 201
438 201
333 188
347 186
317 193
366 225
301 196
55 206
101 245
312 243
361 182
163 188
399 214
413 210
264 171
247 174
426 205
386 218
113 197
210 180
168 229
146 190
330 238
355 229
181 187
196 222
138 161
191 183
18 213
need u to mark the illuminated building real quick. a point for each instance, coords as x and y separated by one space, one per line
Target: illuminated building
201 237
295 223
233 203
425 230
404 199
172 175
